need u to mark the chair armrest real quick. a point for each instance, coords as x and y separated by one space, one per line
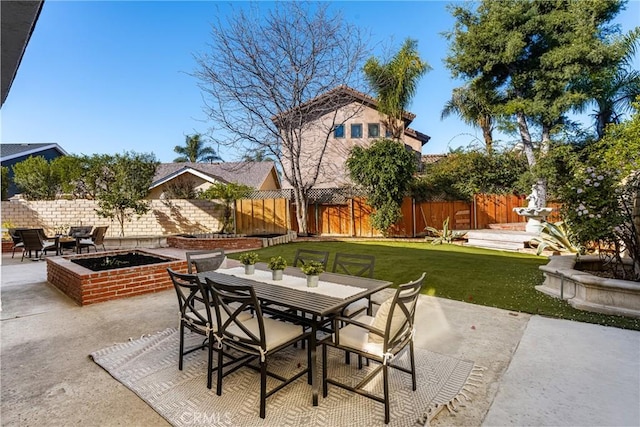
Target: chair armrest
350 321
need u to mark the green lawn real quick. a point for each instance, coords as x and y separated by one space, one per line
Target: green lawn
478 276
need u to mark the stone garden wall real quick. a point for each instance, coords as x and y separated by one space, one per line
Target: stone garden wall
165 216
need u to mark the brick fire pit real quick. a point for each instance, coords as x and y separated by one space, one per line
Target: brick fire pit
85 286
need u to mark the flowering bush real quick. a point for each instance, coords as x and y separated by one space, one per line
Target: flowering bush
602 201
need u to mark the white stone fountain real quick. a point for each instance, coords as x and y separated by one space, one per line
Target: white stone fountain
534 213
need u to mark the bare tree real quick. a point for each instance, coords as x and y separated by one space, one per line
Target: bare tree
268 80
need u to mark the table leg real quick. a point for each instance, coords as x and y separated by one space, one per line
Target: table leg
314 361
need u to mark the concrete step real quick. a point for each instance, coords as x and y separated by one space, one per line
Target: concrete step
500 235
494 244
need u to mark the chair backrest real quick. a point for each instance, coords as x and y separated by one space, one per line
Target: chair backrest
229 303
32 239
303 256
80 230
15 235
191 291
206 260
354 264
98 235
402 312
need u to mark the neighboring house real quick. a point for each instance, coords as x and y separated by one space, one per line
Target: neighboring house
259 175
344 118
15 153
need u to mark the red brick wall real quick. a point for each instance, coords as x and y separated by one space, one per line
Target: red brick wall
243 243
89 287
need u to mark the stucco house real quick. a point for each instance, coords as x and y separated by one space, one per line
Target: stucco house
259 175
335 122
10 154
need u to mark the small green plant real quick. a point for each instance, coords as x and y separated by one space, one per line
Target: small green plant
556 238
6 225
445 235
277 263
312 268
249 258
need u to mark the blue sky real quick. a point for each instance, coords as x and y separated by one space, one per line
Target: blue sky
107 77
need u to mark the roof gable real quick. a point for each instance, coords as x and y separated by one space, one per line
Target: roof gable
13 151
252 174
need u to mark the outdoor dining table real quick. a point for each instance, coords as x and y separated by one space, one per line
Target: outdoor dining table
334 292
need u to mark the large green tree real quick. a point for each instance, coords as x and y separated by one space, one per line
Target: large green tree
395 83
35 179
121 183
229 193
384 171
4 180
195 150
530 52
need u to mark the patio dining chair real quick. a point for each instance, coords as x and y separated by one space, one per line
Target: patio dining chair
16 239
304 256
96 239
206 260
379 339
196 315
259 338
34 239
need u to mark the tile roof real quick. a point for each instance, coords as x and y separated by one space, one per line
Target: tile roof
11 151
428 159
252 174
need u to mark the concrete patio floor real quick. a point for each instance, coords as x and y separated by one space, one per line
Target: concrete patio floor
540 371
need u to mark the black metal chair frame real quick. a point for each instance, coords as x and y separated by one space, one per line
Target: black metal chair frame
234 300
405 300
191 291
306 255
17 240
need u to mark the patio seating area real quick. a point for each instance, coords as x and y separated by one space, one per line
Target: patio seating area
53 336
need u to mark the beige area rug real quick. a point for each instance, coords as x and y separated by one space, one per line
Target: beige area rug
149 367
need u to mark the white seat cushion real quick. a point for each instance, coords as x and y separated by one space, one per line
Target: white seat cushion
86 242
358 338
276 332
355 307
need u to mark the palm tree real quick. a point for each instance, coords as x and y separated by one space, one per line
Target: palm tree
614 89
395 83
469 104
195 151
257 156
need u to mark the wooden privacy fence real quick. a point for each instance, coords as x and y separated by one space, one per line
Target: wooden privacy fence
354 218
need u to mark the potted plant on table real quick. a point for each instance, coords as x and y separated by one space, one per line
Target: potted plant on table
312 269
249 260
277 264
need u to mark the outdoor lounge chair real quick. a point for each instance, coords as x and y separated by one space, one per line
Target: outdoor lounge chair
258 337
34 239
379 339
17 240
96 239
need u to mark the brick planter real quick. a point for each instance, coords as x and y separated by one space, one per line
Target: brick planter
230 243
7 246
85 286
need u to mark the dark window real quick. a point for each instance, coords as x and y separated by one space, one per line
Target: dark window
338 132
356 131
388 134
373 130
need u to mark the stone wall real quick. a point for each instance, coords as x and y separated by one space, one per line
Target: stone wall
165 217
